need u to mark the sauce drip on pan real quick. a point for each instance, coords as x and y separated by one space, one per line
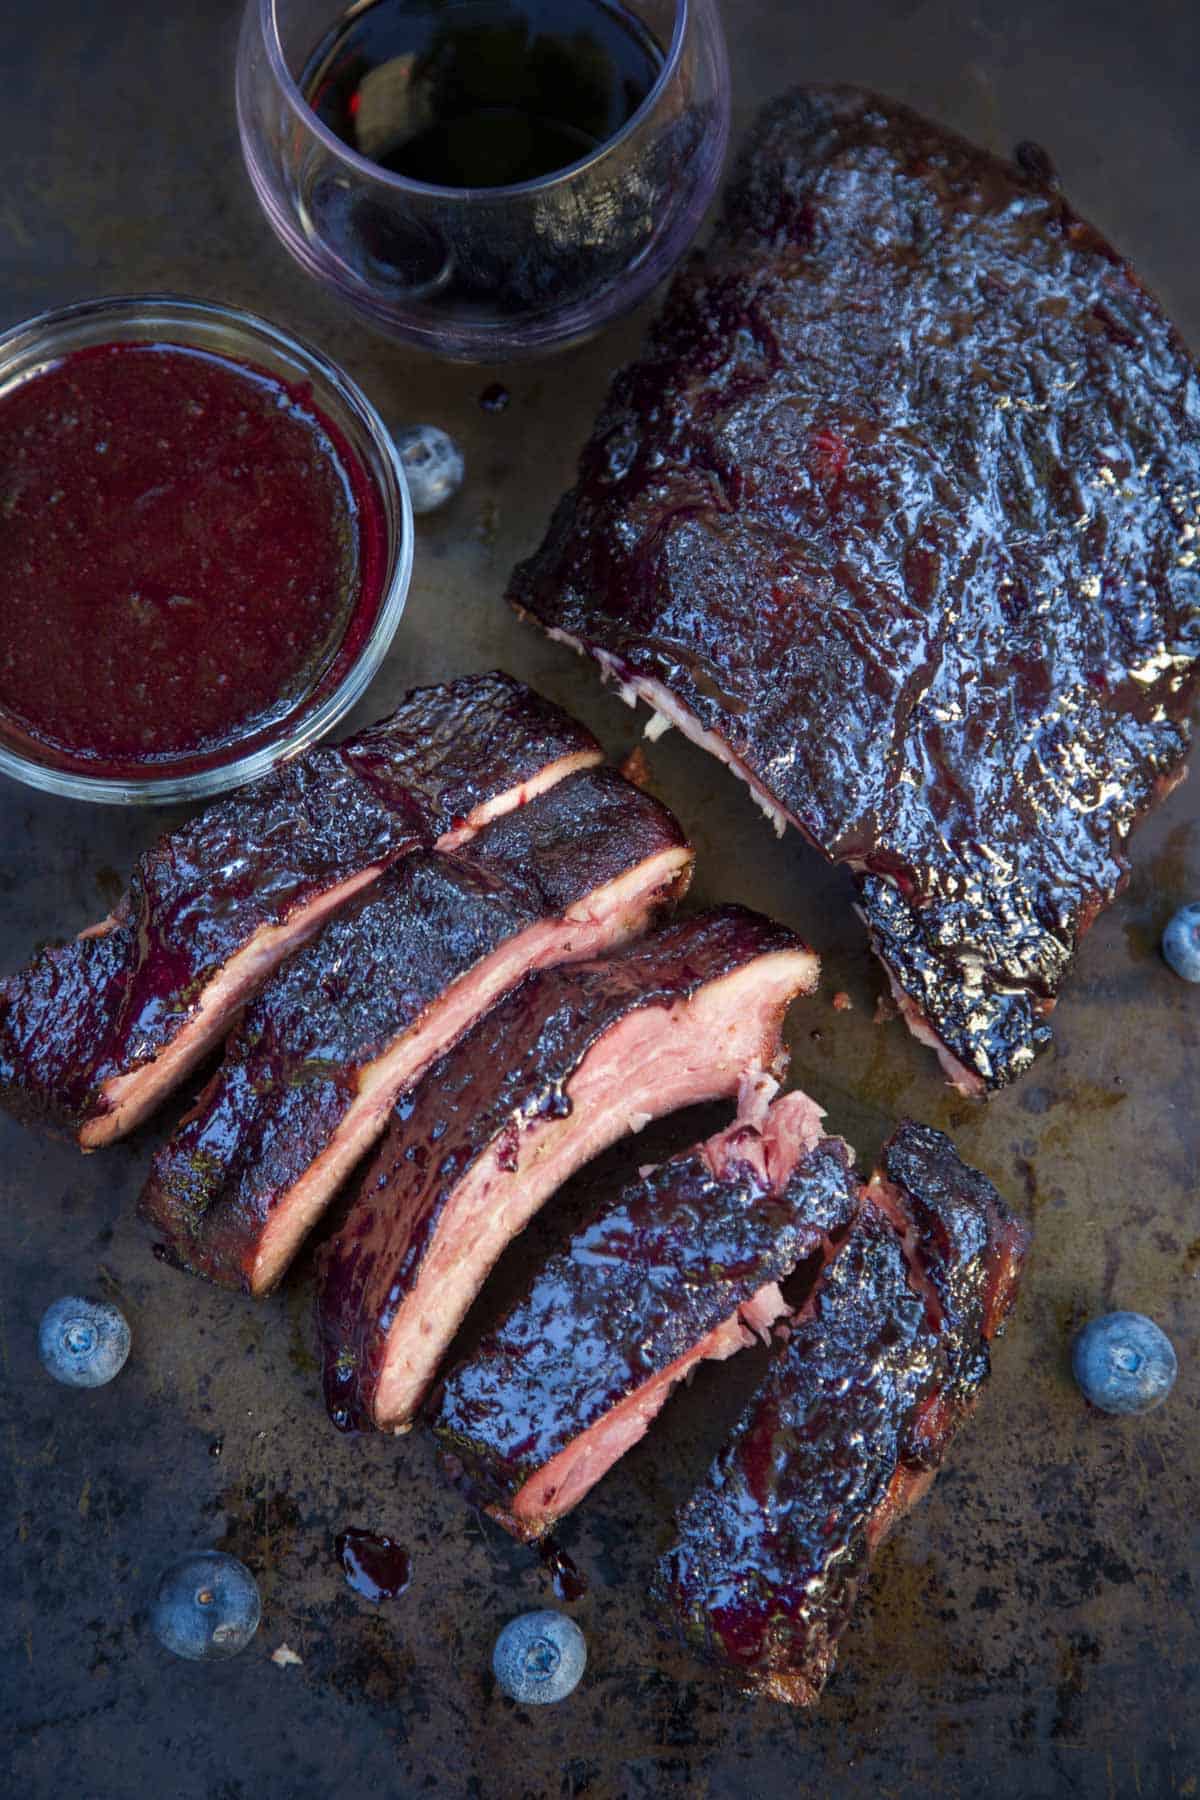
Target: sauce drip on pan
374 1566
569 1582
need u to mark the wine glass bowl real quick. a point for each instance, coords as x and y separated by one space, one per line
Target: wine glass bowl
485 272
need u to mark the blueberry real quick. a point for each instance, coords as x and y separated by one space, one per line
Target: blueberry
433 464
83 1343
1181 942
539 1657
1124 1363
207 1605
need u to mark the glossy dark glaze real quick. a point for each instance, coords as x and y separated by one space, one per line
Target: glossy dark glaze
902 502
292 1068
649 1277
511 1071
962 1239
102 1006
853 1416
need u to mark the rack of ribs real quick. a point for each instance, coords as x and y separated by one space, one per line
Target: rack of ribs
93 1035
899 516
847 1431
567 1064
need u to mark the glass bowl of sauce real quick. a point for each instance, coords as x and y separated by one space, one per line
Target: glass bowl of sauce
205 548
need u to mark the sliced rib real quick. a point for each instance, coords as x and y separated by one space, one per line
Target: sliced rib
309 1078
571 1062
94 1034
685 1265
898 514
849 1426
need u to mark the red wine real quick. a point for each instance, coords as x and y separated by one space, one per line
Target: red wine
486 93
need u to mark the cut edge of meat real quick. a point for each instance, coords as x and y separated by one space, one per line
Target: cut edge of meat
967 1081
605 918
495 1203
546 778
770 1135
562 1483
666 711
129 1098
133 1096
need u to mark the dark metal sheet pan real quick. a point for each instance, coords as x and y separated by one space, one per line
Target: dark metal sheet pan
1032 1629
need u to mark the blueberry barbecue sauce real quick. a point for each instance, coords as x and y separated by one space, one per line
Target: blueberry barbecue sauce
189 554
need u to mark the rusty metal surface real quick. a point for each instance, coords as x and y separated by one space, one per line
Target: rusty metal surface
1031 1630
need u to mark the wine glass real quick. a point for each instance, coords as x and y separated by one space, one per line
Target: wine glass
480 272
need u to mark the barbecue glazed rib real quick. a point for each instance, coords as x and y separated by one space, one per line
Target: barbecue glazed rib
849 1426
95 1034
899 515
309 1078
566 1065
686 1264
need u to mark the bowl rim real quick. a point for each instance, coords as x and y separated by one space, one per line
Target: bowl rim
311 121
158 312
